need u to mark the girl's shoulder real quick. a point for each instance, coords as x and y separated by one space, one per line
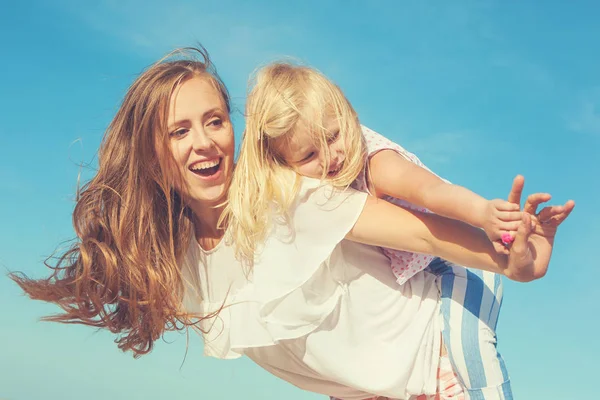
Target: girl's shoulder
376 142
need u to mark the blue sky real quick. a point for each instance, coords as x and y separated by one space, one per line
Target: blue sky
480 90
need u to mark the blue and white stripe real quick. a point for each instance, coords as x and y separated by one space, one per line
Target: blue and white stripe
470 305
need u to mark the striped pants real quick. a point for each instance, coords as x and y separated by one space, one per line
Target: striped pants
471 301
470 304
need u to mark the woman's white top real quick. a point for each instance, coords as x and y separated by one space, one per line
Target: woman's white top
319 311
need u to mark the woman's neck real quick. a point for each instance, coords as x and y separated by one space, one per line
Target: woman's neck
206 221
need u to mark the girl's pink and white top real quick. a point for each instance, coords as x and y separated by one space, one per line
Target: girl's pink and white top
404 264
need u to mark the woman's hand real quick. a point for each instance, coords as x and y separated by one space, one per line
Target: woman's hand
531 250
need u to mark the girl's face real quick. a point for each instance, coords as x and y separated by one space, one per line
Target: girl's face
202 142
305 155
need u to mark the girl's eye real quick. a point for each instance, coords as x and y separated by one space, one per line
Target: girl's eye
308 156
333 137
178 132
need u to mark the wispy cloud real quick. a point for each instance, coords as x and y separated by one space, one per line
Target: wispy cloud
442 147
528 72
587 118
159 26
237 39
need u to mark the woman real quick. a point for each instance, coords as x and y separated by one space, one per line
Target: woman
151 258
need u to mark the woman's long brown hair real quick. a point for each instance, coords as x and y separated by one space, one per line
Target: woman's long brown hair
122 272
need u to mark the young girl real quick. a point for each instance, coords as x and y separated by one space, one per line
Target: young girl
303 121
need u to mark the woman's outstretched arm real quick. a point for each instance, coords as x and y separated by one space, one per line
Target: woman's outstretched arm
386 225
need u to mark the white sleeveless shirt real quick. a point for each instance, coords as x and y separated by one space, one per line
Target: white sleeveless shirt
319 311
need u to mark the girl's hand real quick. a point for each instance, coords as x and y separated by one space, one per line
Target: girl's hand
500 221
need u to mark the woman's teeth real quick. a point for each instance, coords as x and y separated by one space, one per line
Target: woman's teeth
206 168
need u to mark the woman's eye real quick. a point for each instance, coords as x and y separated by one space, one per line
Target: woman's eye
178 132
216 122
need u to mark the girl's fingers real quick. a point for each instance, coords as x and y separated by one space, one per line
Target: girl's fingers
509 216
509 226
502 205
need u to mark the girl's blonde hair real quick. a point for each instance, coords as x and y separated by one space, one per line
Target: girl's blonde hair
122 273
282 96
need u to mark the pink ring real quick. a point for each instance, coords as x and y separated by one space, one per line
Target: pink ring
507 238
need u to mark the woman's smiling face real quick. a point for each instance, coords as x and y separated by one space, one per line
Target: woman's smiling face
202 141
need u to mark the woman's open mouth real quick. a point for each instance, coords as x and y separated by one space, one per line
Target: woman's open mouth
207 169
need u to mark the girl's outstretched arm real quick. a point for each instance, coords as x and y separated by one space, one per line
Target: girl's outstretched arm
383 224
391 174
